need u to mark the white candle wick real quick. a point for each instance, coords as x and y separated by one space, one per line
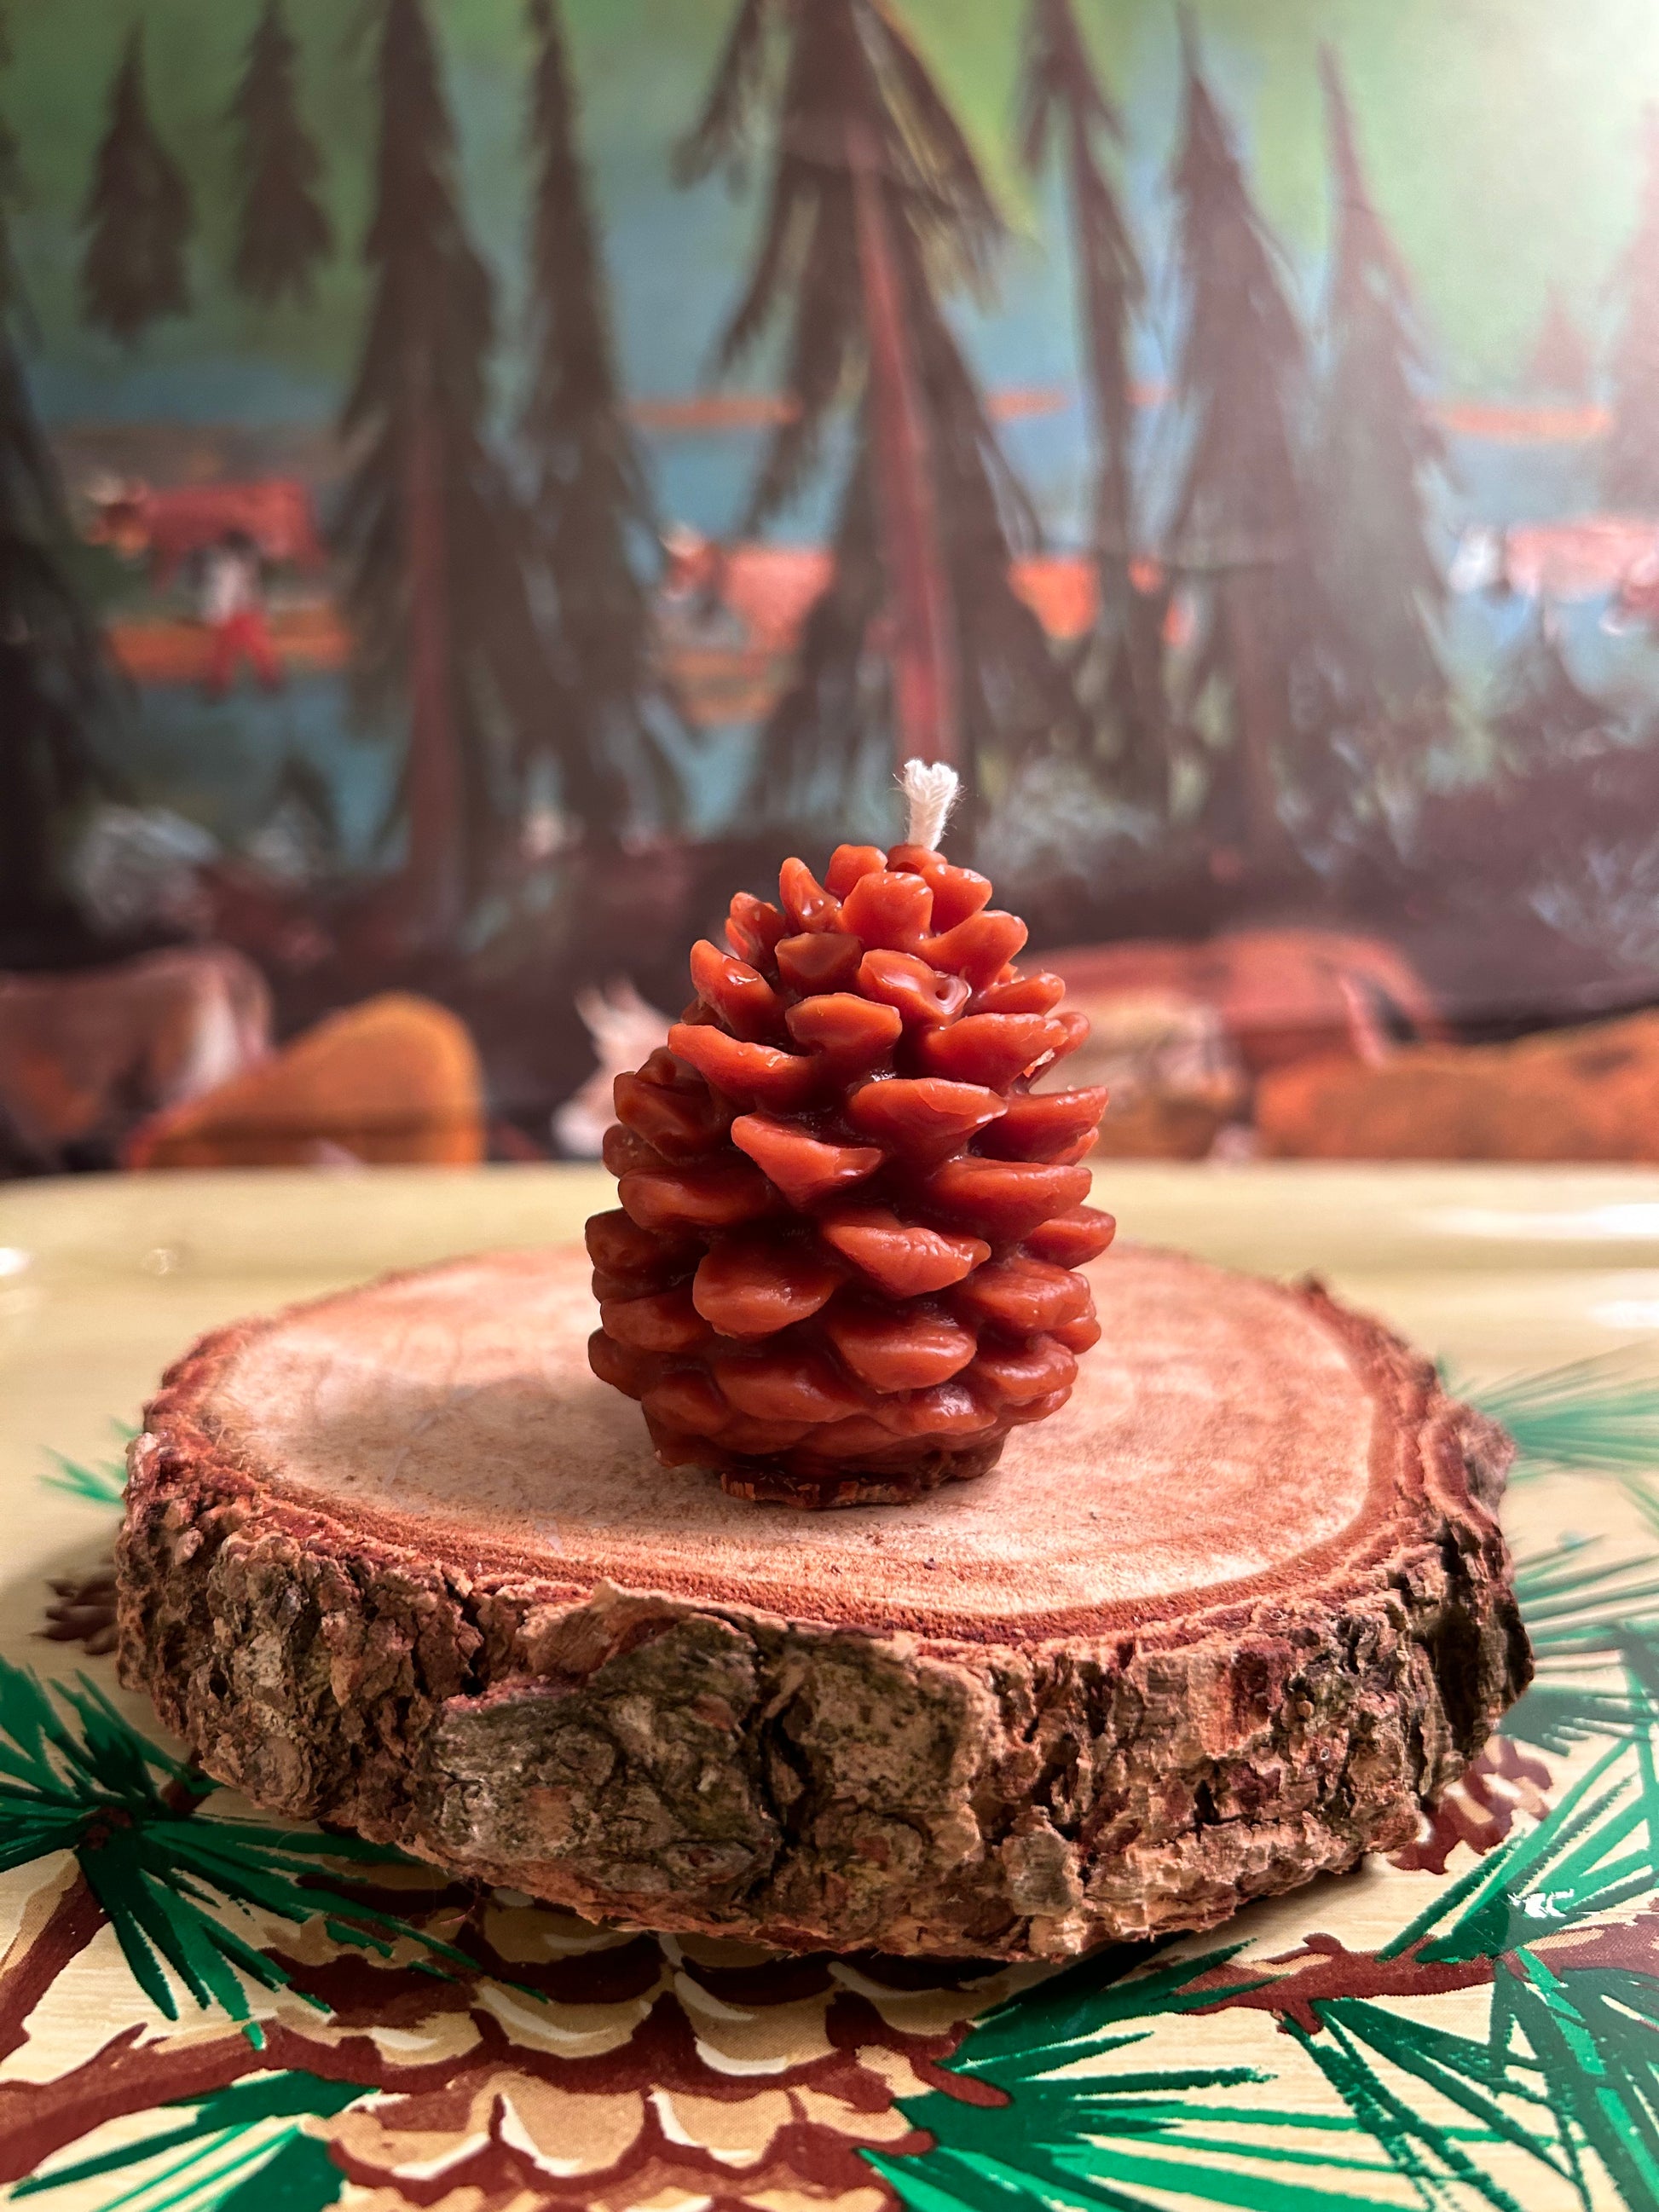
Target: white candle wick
932 788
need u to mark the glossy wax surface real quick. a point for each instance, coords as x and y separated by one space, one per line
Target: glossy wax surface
842 1266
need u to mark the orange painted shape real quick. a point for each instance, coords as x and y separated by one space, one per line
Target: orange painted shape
395 1078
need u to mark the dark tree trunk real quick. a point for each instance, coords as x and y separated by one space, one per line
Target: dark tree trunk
1241 531
925 722
1261 703
1119 666
1377 447
433 867
1113 500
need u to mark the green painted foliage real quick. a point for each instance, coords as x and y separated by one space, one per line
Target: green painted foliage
100 1481
75 1776
231 2156
1597 1416
1567 2073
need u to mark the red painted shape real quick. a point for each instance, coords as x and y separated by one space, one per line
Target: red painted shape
1479 1809
1336 1971
168 523
1632 1945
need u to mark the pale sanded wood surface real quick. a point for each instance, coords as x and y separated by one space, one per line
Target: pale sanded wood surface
1222 1433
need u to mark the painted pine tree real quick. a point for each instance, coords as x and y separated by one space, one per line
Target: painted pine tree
1561 360
282 230
591 507
54 679
1543 717
876 208
1240 528
435 592
1377 449
1630 464
138 216
1068 112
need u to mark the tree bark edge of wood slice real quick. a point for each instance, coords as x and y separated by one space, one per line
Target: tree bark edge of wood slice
1232 1619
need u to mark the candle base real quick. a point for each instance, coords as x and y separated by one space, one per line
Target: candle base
1231 1618
895 1481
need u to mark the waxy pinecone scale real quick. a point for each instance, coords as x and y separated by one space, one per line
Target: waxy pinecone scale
843 1267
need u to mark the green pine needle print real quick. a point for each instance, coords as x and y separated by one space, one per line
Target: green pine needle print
1567 2073
245 2150
1594 1621
102 1482
1585 1610
1054 2136
75 1776
1598 1416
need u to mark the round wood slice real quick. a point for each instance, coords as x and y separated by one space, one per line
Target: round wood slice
1234 1617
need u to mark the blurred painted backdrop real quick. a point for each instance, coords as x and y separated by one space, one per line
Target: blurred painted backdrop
480 481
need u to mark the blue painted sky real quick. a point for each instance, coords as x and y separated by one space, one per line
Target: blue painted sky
1501 135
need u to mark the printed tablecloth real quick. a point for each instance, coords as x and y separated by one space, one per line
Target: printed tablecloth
200 2009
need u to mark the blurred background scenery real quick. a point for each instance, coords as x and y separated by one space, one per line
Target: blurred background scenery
482 480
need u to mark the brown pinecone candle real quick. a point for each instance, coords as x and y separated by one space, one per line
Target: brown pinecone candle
842 1269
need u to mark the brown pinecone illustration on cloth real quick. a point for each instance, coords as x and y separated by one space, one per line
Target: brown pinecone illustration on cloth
842 1268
